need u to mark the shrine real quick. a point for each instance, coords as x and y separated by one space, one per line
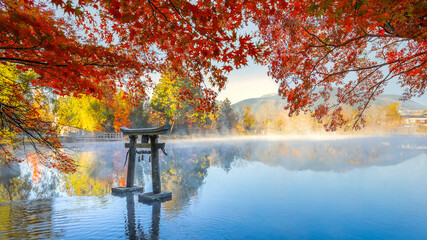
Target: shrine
149 140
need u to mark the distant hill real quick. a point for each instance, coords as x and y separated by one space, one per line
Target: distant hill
272 100
275 103
387 99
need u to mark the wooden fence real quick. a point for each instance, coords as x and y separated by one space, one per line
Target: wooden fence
97 136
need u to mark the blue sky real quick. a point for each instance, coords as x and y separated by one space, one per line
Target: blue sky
253 82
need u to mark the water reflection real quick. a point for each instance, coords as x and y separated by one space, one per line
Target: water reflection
134 230
155 220
130 226
217 185
101 165
337 156
328 155
17 182
28 220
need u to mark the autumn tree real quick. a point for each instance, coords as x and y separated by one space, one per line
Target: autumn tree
84 112
170 101
249 120
95 47
121 108
356 46
140 114
392 114
103 44
268 111
22 123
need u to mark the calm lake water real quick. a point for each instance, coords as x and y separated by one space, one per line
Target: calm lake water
343 188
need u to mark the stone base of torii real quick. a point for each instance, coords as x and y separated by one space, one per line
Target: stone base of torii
152 135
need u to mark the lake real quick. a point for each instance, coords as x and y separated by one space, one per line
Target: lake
333 187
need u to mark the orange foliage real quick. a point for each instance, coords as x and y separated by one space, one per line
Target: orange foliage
122 181
310 46
121 109
119 173
33 161
357 47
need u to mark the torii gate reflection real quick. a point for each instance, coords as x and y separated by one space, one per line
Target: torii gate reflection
154 198
134 232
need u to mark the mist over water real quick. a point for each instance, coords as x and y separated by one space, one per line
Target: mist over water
317 187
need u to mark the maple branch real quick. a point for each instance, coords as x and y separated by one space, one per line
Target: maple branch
371 96
99 65
191 25
313 35
158 10
33 133
24 48
32 62
359 81
371 67
413 68
23 61
314 68
5 105
366 35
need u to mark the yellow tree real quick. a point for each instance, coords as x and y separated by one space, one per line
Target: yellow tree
22 121
249 120
83 112
392 114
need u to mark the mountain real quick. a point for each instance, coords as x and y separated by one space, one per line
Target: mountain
387 99
271 100
275 102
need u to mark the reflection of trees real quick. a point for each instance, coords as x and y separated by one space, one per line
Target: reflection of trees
12 189
99 168
98 171
334 155
17 182
224 155
9 182
16 217
93 177
183 173
185 168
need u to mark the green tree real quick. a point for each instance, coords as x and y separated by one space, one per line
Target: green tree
140 114
227 118
175 99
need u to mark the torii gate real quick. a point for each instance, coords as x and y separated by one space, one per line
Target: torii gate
151 134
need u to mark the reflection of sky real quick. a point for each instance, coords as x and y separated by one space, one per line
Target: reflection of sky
247 191
261 202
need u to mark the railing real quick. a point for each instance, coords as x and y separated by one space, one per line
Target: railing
98 136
